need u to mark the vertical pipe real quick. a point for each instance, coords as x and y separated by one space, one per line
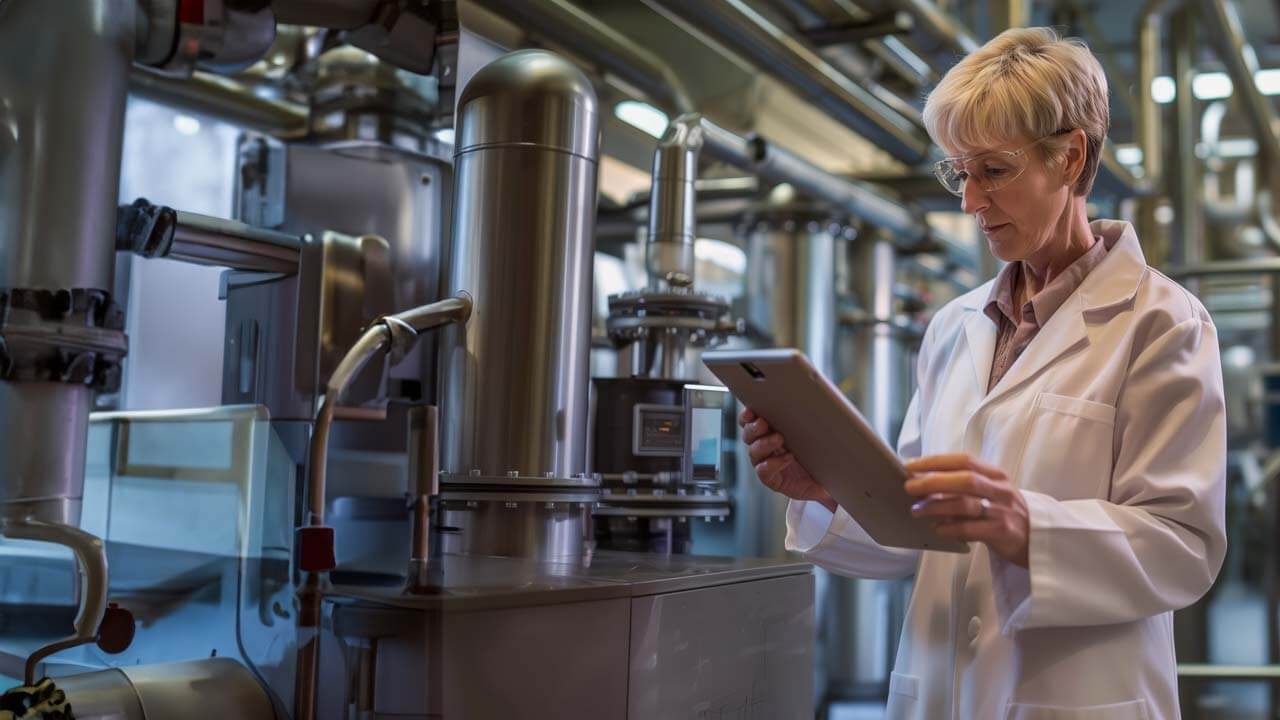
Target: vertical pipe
514 382
63 86
669 256
1189 248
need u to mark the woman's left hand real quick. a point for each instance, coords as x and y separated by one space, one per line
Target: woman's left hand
968 500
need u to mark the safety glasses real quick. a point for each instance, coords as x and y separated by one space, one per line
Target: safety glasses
991 170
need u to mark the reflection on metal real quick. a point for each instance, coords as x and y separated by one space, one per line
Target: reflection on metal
209 689
673 197
162 232
526 248
658 329
745 31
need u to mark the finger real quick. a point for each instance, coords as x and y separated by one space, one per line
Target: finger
954 461
746 416
769 470
948 507
755 430
959 482
765 447
983 531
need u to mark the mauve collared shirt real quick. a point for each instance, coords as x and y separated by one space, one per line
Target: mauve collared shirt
1018 328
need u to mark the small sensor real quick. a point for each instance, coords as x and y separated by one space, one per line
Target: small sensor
753 371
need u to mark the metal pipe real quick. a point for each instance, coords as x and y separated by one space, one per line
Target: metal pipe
223 99
778 165
940 25
583 33
1242 64
157 231
59 177
1150 19
424 477
672 204
91 555
399 332
745 31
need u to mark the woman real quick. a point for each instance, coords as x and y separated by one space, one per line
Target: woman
1068 423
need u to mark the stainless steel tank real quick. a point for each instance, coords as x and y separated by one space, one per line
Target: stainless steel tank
515 395
514 382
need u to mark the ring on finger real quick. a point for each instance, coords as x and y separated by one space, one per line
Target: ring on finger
985 505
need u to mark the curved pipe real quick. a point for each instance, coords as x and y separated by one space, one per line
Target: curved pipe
396 333
91 556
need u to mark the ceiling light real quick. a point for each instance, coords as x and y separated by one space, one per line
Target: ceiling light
642 116
1129 155
444 135
186 124
1211 86
1163 90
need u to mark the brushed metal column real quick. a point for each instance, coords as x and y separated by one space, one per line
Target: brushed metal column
514 381
63 84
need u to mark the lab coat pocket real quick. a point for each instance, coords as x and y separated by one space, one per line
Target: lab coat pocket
904 694
1133 710
1067 453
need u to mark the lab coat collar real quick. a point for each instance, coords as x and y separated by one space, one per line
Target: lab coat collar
1114 282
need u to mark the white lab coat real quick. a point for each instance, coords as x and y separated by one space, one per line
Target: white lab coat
1112 423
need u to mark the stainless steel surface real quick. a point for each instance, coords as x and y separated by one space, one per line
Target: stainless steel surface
221 98
394 333
542 526
659 334
791 284
400 195
195 690
581 32
424 482
515 383
673 197
767 676
624 635
744 30
207 240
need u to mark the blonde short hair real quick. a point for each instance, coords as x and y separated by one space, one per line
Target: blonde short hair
1025 84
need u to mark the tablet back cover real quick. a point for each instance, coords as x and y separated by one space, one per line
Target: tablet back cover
831 439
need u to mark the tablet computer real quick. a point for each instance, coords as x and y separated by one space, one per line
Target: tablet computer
830 438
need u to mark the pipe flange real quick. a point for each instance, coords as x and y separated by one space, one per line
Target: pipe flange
69 336
637 315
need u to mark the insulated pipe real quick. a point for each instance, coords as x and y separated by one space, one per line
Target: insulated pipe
745 31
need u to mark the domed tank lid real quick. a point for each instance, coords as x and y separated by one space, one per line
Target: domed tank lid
529 98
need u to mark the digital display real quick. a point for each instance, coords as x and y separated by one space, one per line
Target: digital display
662 430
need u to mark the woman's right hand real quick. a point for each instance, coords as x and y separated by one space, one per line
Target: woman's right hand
778 469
